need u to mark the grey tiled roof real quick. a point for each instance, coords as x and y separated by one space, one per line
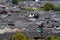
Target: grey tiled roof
27 34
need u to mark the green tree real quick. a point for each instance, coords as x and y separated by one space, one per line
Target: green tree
48 7
56 8
52 38
48 38
15 1
30 39
19 36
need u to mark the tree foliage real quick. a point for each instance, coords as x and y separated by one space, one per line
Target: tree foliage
19 36
48 7
56 8
52 38
30 39
15 1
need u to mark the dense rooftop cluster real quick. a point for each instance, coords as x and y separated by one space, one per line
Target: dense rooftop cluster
29 17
